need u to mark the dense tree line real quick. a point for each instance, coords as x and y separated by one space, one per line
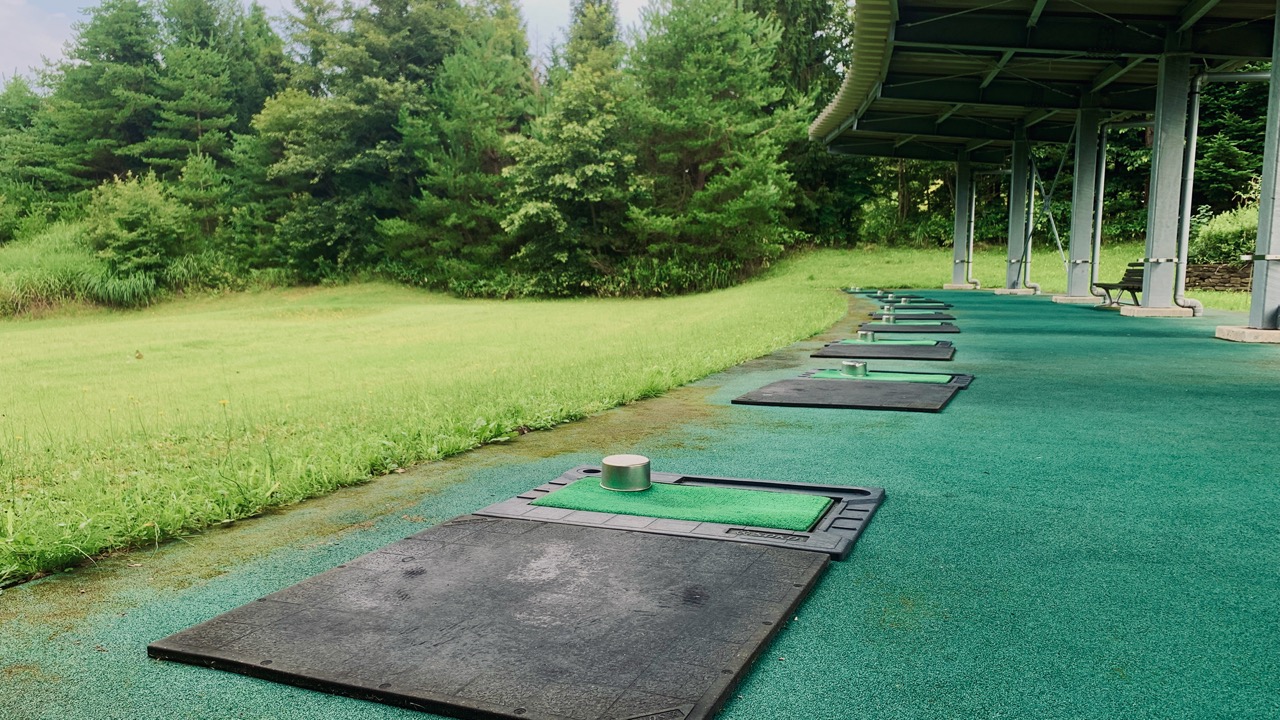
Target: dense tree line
415 139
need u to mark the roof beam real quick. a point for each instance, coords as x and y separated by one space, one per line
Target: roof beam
951 111
1037 117
914 151
1035 13
957 128
1007 93
1061 35
1114 72
1004 60
1192 13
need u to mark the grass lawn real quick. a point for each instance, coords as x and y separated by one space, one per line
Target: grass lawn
124 428
922 268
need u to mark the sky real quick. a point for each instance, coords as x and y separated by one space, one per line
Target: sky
32 29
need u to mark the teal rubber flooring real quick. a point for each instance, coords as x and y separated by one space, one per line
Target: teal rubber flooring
1091 530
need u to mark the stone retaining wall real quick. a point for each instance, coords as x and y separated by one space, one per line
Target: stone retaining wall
1219 277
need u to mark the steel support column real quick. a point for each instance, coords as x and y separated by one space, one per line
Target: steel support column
963 226
1163 206
1019 202
1265 305
1083 198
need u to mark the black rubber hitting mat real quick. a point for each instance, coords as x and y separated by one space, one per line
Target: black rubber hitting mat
918 305
834 533
911 326
853 395
941 350
908 315
518 619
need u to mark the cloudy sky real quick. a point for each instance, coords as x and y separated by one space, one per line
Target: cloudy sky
31 29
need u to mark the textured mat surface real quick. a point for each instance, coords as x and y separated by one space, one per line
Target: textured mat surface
789 511
888 349
919 315
495 618
852 395
911 326
883 376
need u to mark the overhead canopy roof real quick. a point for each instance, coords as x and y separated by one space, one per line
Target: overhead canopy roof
930 78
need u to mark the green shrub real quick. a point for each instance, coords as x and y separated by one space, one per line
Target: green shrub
205 270
136 225
1225 237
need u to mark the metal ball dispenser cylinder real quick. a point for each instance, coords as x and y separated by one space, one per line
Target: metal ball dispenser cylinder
625 473
867 335
889 296
905 301
854 368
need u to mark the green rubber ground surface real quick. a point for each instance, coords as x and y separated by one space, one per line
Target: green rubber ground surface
887 341
1092 530
789 511
886 376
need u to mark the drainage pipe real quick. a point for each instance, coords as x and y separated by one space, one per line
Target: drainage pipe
1027 228
1098 198
973 214
1099 188
1188 177
973 211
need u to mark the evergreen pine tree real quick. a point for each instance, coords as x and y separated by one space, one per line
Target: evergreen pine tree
482 94
104 101
713 134
573 180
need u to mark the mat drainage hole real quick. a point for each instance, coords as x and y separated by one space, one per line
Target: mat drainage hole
767 622
384 686
726 672
520 711
797 584
265 662
591 471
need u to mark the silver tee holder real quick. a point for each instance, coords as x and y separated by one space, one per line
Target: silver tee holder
625 473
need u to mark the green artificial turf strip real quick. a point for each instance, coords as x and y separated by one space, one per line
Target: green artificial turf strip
910 322
731 506
889 376
887 341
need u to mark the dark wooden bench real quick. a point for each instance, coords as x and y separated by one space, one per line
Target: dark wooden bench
1131 283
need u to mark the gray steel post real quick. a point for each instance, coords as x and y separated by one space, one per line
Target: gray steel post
963 221
1172 89
1083 196
1019 197
1265 304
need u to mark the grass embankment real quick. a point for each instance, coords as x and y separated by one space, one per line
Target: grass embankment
124 428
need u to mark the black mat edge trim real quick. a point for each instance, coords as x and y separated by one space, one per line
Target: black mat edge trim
960 380
834 533
944 327
877 315
751 399
938 352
